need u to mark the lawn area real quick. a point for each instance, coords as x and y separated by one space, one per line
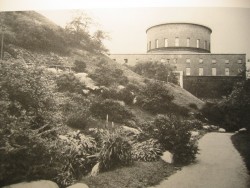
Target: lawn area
241 142
138 175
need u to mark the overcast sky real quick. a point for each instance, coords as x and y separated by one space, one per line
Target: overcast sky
127 26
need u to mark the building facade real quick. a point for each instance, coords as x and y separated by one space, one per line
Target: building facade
186 47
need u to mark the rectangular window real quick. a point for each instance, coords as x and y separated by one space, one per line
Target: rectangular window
188 42
114 59
176 41
227 71
205 44
198 43
213 71
156 43
239 61
125 60
227 61
213 61
188 61
200 71
200 60
188 71
166 42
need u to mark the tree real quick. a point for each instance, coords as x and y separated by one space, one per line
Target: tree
155 70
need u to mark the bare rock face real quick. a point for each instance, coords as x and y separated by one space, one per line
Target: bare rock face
79 185
34 184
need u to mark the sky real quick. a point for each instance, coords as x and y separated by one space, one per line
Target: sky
126 21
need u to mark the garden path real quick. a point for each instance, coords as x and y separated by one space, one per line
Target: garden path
219 165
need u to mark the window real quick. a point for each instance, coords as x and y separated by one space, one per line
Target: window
200 71
213 61
166 42
198 43
114 59
149 45
188 71
188 42
213 71
188 61
156 43
227 71
205 44
200 60
227 61
125 60
239 61
163 60
176 41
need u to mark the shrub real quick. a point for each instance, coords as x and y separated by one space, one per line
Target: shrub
68 82
79 66
193 105
107 75
115 151
194 124
155 97
76 110
148 150
117 111
123 94
174 136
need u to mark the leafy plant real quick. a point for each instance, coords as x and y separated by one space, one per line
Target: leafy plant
116 110
115 151
148 150
174 136
155 97
79 66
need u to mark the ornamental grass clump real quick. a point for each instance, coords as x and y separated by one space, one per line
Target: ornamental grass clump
115 151
149 150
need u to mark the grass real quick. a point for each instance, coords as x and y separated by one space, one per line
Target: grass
138 175
241 142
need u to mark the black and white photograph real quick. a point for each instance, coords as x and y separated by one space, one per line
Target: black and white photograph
124 94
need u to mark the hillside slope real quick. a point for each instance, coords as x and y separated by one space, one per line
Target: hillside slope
32 38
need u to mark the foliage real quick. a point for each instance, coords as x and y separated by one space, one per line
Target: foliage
116 110
148 150
193 105
194 124
124 94
32 31
174 136
156 70
232 112
76 110
115 151
68 82
107 75
155 97
79 35
79 66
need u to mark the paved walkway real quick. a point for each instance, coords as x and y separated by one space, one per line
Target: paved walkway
219 165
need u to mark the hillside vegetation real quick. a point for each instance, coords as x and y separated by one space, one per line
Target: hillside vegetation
58 124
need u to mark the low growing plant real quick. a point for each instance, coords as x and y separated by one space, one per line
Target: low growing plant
149 150
115 151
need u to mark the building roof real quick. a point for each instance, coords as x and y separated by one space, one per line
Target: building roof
179 23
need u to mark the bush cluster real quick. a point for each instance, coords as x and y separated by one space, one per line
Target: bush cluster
174 136
116 110
155 97
232 112
149 150
115 151
106 75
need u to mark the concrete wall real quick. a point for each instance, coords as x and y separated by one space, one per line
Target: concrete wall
179 61
181 30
